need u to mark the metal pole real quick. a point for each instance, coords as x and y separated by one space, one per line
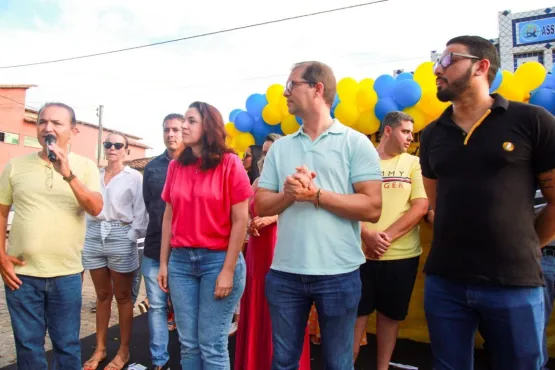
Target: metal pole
99 150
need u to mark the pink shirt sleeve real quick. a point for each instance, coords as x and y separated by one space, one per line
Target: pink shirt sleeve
166 192
239 185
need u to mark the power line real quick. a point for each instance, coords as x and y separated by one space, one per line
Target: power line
197 36
15 101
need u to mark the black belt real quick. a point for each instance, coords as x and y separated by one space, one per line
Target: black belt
548 251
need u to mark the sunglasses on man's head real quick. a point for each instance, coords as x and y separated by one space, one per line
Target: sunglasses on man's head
108 145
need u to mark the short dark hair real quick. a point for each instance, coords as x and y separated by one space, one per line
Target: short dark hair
319 72
481 48
394 119
173 116
70 110
213 139
126 141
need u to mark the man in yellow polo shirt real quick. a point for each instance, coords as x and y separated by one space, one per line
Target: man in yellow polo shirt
392 245
42 266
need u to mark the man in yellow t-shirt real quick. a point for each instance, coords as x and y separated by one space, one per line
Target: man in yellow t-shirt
392 245
42 267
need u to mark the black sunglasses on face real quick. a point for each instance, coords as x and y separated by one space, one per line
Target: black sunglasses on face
117 146
447 60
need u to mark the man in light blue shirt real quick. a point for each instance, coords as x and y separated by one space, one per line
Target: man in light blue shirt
321 180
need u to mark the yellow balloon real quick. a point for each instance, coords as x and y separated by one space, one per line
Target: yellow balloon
366 83
368 123
272 114
274 93
418 117
282 103
366 99
530 75
347 89
230 142
510 89
231 130
430 105
424 74
289 125
347 113
243 141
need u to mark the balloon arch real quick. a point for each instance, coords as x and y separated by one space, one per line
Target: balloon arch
361 105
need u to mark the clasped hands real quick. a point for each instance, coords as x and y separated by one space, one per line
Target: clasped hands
300 186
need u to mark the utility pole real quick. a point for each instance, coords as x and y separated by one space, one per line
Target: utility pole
99 149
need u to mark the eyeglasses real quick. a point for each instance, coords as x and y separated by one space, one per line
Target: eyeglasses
108 145
446 60
49 176
292 84
246 155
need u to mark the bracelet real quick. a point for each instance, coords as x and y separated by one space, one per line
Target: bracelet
317 205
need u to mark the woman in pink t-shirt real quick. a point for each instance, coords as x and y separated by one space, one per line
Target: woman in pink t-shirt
204 225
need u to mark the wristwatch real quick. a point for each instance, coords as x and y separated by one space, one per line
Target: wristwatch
70 177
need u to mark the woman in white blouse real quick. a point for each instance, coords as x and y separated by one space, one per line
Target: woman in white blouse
110 251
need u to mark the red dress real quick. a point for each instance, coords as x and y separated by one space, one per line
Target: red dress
254 335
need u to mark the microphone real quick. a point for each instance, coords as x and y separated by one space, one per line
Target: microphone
50 139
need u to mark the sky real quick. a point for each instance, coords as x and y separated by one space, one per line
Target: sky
138 88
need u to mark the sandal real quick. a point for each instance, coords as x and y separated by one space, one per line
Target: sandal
144 306
118 363
96 358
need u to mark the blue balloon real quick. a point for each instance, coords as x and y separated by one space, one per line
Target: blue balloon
384 86
497 81
244 122
299 120
276 129
234 114
260 130
255 104
405 76
544 98
384 106
407 93
335 102
548 83
332 112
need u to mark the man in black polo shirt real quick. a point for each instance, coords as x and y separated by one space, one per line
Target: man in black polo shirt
154 179
548 268
481 162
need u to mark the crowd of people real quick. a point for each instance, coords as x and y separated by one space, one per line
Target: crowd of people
318 224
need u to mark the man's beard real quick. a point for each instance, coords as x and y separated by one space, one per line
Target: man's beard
454 89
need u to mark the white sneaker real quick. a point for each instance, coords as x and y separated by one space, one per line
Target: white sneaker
233 328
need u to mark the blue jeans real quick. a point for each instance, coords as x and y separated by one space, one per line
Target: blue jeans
548 267
138 274
290 297
157 313
203 321
37 306
511 320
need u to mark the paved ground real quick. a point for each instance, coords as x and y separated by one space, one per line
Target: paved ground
7 347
